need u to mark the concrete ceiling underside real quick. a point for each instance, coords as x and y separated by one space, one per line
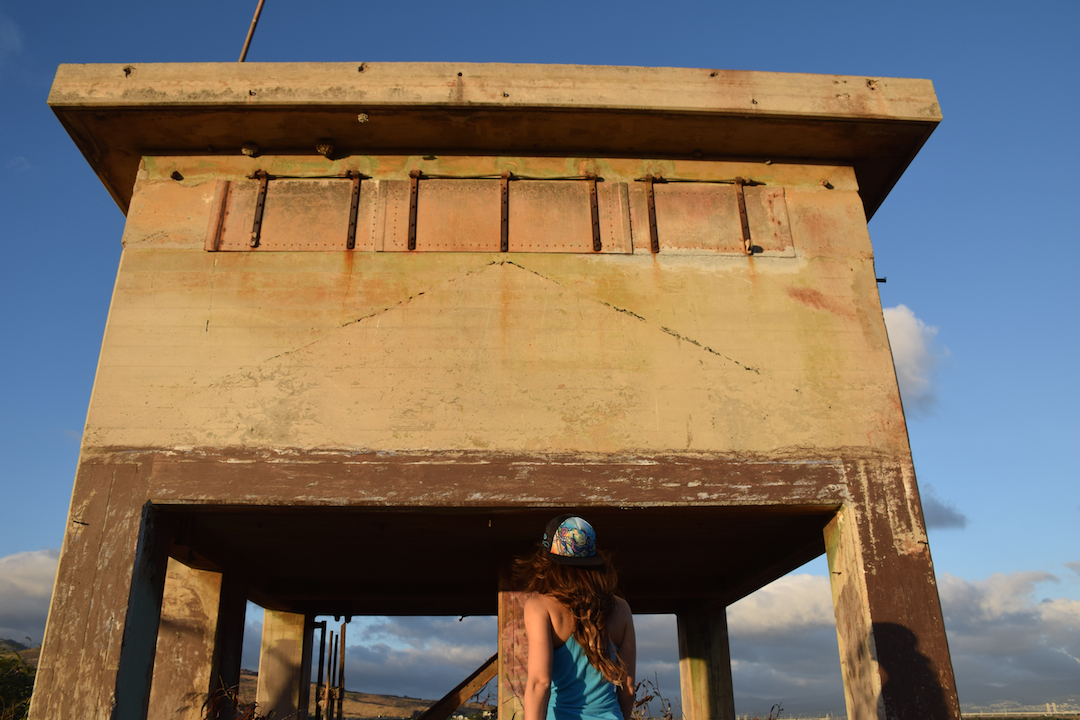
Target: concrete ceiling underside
439 561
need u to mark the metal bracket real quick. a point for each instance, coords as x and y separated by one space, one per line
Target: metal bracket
504 231
594 207
748 243
414 191
260 205
650 199
354 207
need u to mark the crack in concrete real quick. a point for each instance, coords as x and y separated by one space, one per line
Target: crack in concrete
381 311
634 315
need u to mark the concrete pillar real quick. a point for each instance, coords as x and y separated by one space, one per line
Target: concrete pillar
183 665
198 646
284 677
513 648
229 642
705 664
98 652
893 653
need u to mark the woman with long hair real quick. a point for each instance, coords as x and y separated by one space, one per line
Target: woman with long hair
582 649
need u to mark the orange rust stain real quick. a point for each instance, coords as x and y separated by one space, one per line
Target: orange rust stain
814 299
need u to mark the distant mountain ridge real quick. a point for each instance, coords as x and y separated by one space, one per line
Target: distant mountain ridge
26 652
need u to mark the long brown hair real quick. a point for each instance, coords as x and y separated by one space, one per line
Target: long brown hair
588 591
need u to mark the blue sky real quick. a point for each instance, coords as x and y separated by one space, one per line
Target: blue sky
978 242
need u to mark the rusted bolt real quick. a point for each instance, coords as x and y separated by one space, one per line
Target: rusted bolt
882 280
825 184
362 117
325 146
250 149
176 175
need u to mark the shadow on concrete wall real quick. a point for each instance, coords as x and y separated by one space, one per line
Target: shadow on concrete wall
909 684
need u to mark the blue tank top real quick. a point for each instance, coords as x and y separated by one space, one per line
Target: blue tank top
578 690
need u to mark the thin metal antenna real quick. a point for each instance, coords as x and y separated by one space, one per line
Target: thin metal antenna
251 30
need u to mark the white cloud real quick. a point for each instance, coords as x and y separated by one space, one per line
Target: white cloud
915 358
416 656
17 165
26 583
1008 646
783 648
792 603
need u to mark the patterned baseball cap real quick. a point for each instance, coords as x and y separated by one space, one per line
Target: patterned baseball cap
571 541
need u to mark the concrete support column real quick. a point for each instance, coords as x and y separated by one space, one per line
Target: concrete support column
893 653
229 641
183 666
513 648
284 677
705 664
98 652
199 639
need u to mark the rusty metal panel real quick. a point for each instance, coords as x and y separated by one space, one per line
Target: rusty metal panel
367 215
639 218
696 218
459 215
299 214
392 227
550 216
239 213
614 217
306 215
766 210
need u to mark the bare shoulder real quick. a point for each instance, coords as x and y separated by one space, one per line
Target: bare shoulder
538 604
622 619
535 605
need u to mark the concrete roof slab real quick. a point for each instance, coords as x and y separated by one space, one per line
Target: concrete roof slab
118 113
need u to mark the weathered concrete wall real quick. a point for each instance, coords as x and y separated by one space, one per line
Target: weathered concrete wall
509 352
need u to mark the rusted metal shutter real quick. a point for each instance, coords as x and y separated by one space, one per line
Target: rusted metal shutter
491 214
695 218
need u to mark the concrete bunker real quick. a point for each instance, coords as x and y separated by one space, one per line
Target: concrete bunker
646 294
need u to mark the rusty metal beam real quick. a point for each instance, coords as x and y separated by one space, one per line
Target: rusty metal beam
354 206
260 206
414 197
650 199
594 210
504 228
744 222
